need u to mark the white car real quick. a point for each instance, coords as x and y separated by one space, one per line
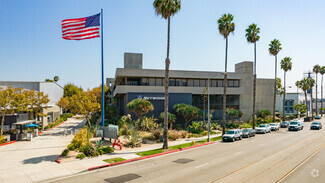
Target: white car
263 128
232 135
275 126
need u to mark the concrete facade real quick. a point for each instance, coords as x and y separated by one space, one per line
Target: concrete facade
291 99
147 82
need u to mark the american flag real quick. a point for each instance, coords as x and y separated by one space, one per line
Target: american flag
81 28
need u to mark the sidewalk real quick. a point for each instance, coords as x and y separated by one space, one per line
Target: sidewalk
77 165
31 161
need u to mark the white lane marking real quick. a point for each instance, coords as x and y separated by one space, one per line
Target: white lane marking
202 165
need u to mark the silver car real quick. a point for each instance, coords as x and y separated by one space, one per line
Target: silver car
263 128
232 135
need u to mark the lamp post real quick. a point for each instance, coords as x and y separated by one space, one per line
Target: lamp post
208 111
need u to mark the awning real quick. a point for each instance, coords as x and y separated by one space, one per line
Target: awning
24 122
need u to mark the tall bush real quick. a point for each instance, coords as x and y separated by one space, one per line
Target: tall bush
140 107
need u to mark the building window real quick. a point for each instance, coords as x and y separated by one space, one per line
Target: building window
184 82
203 83
213 83
191 82
196 83
133 81
219 83
159 82
172 82
152 81
178 82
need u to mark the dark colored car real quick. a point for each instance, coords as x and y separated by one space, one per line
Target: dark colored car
248 133
316 125
284 124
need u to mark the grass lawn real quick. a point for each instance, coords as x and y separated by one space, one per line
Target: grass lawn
160 150
114 160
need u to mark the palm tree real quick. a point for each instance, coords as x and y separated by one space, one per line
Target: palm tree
286 65
166 8
56 78
322 72
225 26
252 36
316 69
297 85
311 85
304 86
274 48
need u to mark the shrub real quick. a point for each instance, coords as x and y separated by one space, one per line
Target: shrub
196 127
173 135
81 156
108 150
145 135
184 134
133 139
89 150
79 140
65 152
232 125
246 125
263 113
178 127
156 134
2 139
147 124
171 118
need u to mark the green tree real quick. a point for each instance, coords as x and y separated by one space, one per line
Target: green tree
311 84
225 26
274 49
49 80
297 85
322 72
84 103
300 107
166 9
279 87
171 119
189 112
233 113
286 65
304 85
56 78
70 90
63 103
140 107
7 97
38 102
252 37
316 70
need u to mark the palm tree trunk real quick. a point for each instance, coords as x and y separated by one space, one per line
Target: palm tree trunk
274 98
311 103
254 86
284 97
322 95
165 145
225 92
2 122
316 94
306 103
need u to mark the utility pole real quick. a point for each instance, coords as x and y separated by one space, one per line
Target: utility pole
208 111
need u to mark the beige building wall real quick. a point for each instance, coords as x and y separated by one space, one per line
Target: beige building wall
48 118
264 94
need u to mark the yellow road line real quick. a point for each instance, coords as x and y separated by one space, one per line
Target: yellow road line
300 164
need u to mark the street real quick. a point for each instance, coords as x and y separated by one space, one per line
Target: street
281 156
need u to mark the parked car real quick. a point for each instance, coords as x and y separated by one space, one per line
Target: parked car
284 124
263 128
232 135
316 125
318 117
248 133
295 125
275 126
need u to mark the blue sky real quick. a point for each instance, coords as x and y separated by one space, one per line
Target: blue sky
31 47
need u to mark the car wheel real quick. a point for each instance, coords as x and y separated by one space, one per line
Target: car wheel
264 132
233 139
240 137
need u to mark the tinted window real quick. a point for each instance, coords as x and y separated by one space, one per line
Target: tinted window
230 132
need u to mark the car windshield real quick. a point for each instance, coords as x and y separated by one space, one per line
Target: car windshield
293 123
284 122
245 130
262 125
272 124
315 123
230 132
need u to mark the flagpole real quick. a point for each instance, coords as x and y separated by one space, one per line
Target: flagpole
102 37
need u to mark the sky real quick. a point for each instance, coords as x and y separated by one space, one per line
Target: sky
31 47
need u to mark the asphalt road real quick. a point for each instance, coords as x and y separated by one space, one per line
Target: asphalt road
281 156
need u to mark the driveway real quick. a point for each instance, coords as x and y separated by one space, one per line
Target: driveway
30 161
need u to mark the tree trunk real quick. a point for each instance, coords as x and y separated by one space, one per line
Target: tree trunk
171 126
2 122
316 93
165 145
311 103
274 98
254 86
306 103
225 92
284 97
322 96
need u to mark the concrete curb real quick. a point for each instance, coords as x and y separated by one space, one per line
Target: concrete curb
8 143
147 157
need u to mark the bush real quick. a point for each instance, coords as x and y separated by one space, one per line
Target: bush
246 125
104 150
65 152
232 125
145 135
178 127
184 134
2 139
196 127
173 135
79 140
215 126
89 150
263 113
147 124
81 156
133 139
156 134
